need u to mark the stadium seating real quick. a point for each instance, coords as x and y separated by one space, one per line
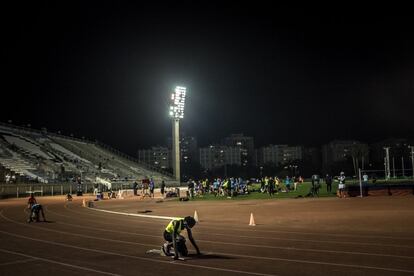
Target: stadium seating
51 158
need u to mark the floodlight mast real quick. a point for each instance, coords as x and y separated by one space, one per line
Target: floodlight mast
177 113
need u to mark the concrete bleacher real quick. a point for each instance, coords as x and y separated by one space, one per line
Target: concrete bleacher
21 168
48 157
67 153
111 163
26 146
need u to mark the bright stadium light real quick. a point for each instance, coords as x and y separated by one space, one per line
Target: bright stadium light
178 102
177 113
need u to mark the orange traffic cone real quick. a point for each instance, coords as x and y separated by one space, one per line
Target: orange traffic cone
251 223
196 216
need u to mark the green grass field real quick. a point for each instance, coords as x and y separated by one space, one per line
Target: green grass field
302 190
254 193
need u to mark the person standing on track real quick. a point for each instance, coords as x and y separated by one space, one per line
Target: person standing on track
151 187
175 240
162 188
328 181
31 201
341 185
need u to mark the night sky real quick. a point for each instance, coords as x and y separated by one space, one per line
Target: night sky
295 75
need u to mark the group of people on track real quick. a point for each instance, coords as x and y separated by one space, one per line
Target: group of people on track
174 245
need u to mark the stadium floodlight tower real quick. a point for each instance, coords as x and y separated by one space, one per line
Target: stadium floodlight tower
177 113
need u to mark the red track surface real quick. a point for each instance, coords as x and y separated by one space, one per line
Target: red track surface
352 236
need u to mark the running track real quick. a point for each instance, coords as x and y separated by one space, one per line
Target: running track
82 241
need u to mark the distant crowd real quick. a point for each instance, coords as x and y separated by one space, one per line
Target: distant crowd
233 186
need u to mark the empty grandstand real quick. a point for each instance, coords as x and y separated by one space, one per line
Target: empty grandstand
33 156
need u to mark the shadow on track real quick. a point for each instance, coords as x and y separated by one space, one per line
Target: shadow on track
48 221
210 256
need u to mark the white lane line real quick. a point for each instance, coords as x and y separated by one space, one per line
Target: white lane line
133 257
58 263
279 231
208 267
133 215
17 262
219 253
248 245
271 238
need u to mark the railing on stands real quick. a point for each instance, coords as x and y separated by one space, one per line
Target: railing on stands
24 190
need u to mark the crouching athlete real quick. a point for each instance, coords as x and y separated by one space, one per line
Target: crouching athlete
175 240
35 211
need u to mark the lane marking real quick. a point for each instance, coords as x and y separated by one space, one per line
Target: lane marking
119 254
208 267
249 245
273 231
271 238
17 262
219 253
133 215
58 263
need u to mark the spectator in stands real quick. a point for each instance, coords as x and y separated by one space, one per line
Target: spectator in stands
7 178
162 188
13 179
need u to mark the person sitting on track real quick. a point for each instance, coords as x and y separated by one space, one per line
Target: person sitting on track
34 213
175 240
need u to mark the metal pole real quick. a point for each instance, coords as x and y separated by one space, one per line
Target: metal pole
61 189
176 149
17 191
52 190
360 182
